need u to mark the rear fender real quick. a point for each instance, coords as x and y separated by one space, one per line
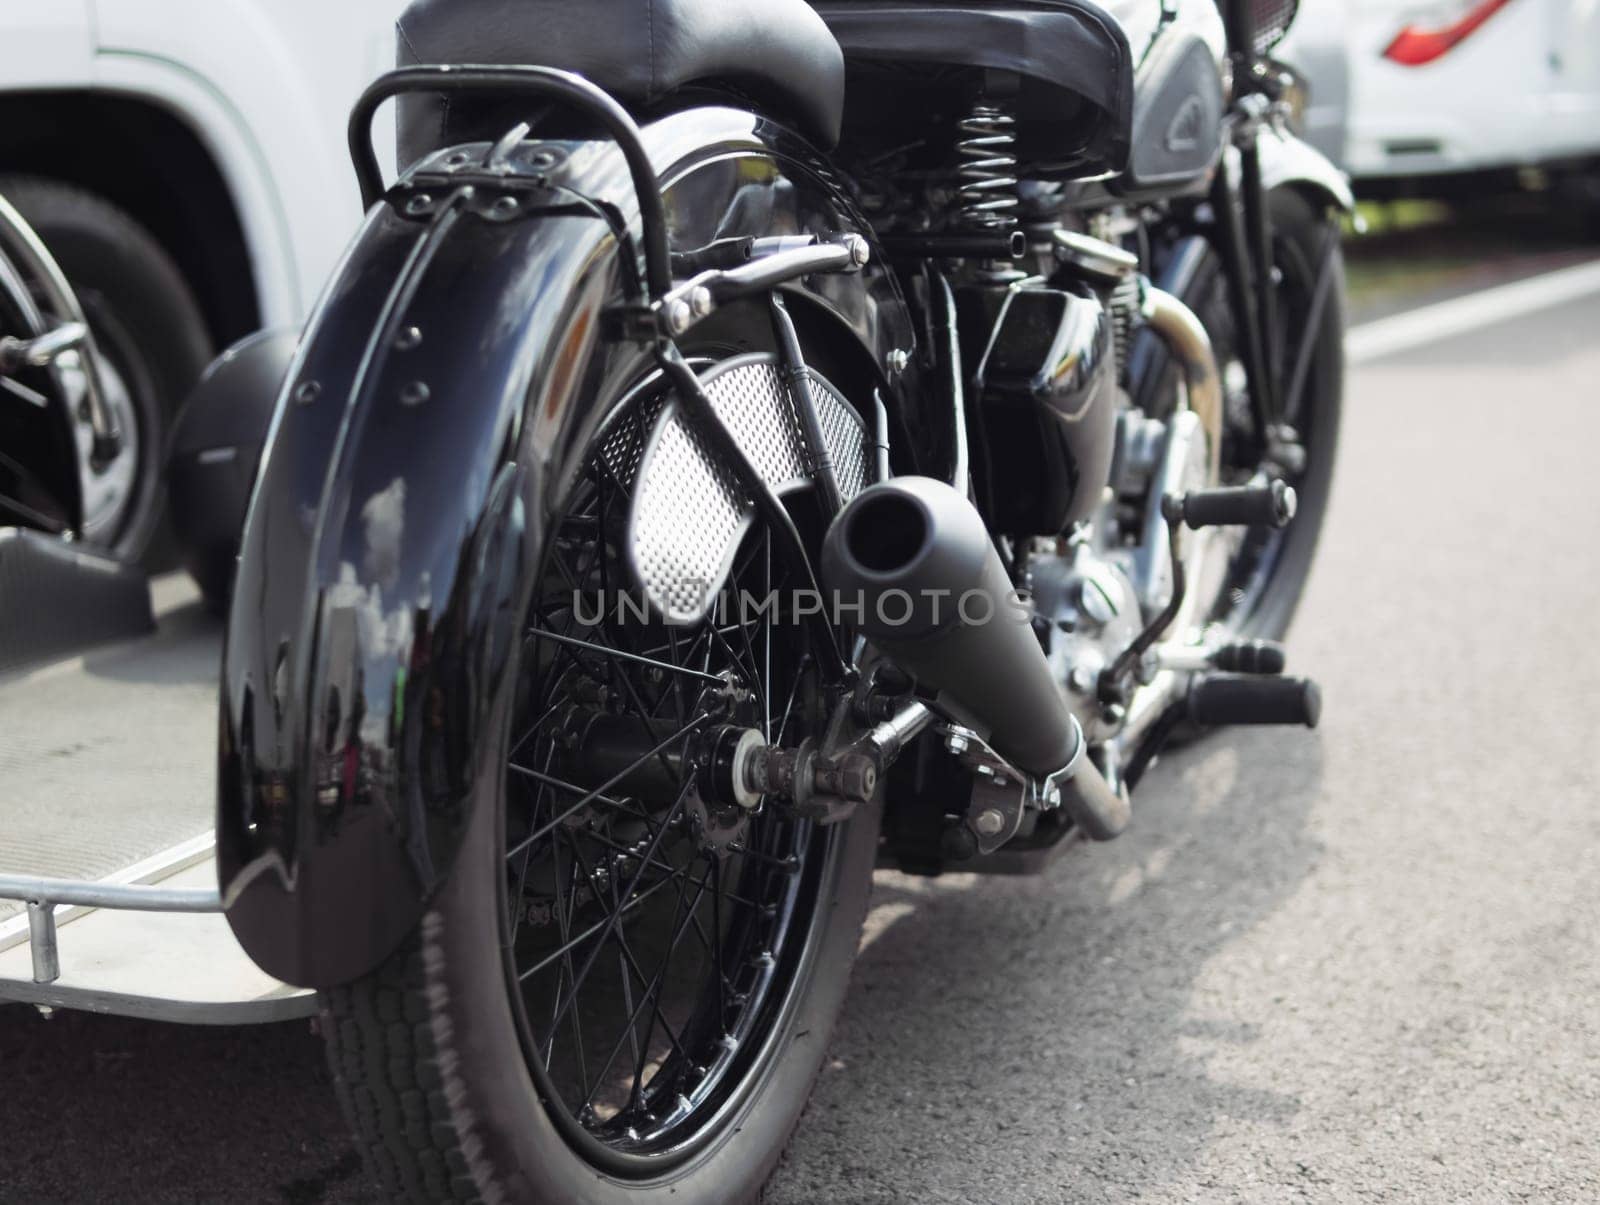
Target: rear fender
455 365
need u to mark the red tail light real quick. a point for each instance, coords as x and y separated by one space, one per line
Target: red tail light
1413 47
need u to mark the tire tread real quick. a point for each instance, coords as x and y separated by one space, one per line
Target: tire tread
393 1069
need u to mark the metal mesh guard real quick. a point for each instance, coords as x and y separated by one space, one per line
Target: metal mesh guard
1272 19
688 512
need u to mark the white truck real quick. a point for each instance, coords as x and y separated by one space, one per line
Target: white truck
185 162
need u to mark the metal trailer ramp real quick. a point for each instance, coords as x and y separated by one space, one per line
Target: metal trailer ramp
108 897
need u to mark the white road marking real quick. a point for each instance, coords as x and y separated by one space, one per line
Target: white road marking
1460 315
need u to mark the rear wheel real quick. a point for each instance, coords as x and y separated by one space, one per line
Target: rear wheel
627 985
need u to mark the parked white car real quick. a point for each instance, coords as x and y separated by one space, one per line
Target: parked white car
1444 87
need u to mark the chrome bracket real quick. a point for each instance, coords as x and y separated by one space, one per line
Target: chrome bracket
774 262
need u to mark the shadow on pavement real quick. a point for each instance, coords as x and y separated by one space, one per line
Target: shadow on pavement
107 1109
1056 1031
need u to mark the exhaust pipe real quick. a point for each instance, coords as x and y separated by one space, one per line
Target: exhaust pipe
912 558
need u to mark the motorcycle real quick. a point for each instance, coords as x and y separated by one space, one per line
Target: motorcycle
749 444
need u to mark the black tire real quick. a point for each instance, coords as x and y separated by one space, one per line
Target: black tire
146 322
432 1054
1266 593
425 1061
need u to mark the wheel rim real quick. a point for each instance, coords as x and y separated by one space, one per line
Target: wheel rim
654 931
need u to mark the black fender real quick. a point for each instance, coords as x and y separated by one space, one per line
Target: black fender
460 356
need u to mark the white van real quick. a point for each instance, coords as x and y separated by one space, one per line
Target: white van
185 162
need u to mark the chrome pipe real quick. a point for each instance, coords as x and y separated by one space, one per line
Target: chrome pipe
893 735
1185 336
42 942
128 897
1097 804
880 438
958 398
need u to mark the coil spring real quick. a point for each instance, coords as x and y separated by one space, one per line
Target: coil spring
986 146
1124 308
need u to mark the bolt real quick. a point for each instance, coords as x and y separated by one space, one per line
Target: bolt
505 207
700 301
860 253
898 360
1113 713
414 394
679 316
307 392
409 338
419 203
1081 679
956 742
989 822
1092 598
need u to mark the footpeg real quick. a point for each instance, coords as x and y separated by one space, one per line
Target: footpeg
1224 699
1271 505
1250 657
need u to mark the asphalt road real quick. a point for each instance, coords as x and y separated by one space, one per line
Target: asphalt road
1356 964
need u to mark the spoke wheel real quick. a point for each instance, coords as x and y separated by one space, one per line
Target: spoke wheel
655 924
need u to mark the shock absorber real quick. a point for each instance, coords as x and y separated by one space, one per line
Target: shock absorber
986 148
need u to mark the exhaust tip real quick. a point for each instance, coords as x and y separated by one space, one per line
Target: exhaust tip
886 533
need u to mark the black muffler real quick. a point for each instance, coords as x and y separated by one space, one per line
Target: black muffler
911 560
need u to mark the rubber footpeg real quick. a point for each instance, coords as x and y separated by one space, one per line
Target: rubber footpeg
1271 505
1224 699
1250 657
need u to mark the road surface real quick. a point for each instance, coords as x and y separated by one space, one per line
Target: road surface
1357 964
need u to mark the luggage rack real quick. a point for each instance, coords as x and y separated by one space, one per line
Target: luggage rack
41 895
156 950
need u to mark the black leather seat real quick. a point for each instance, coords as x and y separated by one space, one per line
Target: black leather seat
778 52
